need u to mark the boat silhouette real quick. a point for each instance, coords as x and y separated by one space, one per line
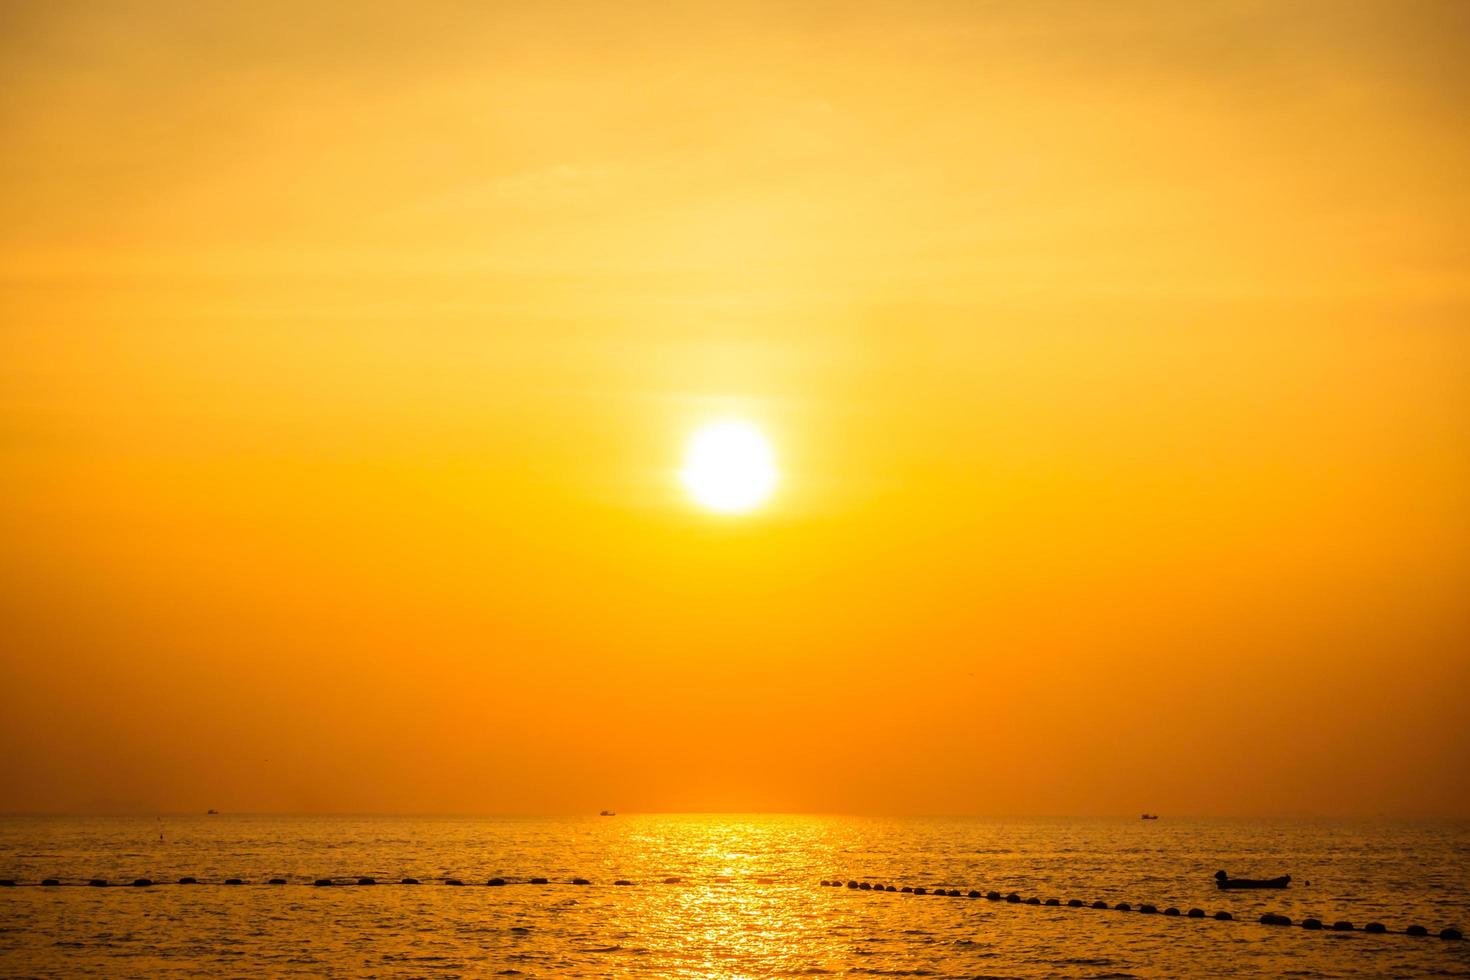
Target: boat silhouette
1226 882
607 813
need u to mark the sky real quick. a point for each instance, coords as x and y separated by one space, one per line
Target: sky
1114 358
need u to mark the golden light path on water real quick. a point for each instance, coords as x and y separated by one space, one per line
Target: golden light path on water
746 901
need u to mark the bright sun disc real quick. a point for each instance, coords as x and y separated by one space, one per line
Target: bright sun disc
729 467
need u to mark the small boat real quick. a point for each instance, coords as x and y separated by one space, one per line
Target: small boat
607 813
1227 882
211 813
1150 816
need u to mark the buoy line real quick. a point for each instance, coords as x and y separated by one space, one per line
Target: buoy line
1012 898
347 880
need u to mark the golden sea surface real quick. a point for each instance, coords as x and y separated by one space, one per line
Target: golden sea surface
747 901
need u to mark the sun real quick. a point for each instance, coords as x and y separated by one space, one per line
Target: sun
729 467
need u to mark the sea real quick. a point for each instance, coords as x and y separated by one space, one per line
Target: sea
724 896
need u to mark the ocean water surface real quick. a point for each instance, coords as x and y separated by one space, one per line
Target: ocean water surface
747 903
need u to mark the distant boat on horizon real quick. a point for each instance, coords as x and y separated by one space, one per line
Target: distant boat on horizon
211 812
1150 816
608 813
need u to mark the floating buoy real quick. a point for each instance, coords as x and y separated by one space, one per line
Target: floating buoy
974 894
367 881
1052 901
891 889
182 881
907 889
1312 924
1342 926
1033 900
495 882
98 882
1416 931
1375 927
233 881
852 884
1171 910
1148 909
1099 904
327 883
1013 898
7 882
1271 919
954 893
543 881
992 896
276 881
1196 913
447 881
622 881
1074 903
1450 933
921 890
137 882
824 882
50 882
580 881
1123 907
410 881
1225 917
866 886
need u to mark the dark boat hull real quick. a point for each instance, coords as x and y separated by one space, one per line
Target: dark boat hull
1230 884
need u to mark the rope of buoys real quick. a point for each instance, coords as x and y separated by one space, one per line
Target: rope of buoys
363 881
1311 924
1269 919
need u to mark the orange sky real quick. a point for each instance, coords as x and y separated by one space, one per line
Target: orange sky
1115 356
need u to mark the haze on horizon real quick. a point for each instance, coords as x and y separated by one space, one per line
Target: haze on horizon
1115 358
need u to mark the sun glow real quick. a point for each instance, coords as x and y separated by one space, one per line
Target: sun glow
729 467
